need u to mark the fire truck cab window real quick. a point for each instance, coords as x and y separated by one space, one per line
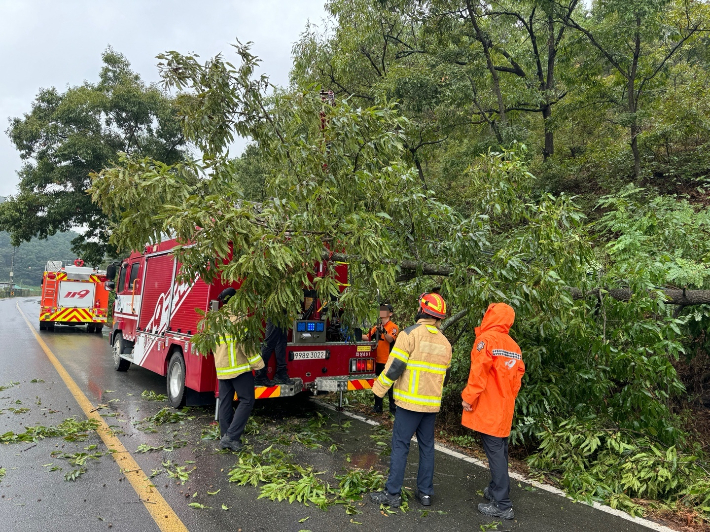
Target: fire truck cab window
134 275
122 278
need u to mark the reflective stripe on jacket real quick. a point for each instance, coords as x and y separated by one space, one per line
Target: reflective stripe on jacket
497 369
416 368
231 360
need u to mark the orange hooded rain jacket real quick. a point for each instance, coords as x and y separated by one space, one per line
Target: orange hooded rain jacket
497 369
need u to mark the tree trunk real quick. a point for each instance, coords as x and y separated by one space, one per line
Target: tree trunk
673 296
489 61
420 170
549 149
633 100
549 85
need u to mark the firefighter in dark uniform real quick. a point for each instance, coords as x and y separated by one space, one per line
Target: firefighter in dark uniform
275 339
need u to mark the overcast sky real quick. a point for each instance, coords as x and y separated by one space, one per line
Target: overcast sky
59 44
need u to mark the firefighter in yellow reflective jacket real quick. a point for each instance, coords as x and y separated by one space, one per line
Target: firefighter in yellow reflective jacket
417 368
234 373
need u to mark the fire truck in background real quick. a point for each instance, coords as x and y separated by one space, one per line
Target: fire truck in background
73 295
155 316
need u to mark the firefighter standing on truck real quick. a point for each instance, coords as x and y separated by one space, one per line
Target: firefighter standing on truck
275 339
488 400
385 333
417 369
234 372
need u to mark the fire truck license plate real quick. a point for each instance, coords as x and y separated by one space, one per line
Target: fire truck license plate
308 355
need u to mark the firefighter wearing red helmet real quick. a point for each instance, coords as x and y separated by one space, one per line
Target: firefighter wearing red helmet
417 369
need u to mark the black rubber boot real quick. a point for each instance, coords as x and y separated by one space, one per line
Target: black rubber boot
282 378
260 378
377 408
491 510
232 445
487 494
382 497
425 500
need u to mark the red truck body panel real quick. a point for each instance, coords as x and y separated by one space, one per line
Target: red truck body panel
159 315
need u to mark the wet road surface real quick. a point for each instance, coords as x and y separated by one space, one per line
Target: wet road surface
179 452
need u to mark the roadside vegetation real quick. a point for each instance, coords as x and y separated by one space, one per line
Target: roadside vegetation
551 155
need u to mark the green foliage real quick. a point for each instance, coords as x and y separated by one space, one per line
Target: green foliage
663 240
281 479
7 386
150 395
615 466
357 482
70 429
145 448
180 473
165 415
67 135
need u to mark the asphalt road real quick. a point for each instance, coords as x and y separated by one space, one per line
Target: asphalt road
34 495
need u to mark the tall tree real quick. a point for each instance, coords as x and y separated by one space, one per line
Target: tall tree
70 134
637 40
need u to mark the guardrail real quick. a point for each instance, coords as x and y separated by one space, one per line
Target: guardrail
19 292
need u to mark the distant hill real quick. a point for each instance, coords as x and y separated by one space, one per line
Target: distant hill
31 257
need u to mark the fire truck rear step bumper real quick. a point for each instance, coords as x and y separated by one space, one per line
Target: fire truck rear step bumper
343 384
279 390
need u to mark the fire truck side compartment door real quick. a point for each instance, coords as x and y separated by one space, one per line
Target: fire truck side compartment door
75 294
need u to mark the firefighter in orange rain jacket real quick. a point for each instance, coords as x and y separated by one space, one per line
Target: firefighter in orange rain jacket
386 334
494 380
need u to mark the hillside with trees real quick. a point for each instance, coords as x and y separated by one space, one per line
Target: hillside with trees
551 155
31 257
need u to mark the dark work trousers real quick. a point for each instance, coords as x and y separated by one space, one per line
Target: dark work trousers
406 423
379 368
274 341
232 422
497 453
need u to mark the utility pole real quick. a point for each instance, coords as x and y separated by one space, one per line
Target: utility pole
12 272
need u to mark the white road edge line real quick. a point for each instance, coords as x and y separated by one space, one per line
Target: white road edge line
517 476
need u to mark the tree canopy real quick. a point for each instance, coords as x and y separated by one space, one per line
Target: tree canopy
540 153
67 135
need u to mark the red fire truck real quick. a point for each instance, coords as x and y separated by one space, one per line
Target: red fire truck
155 316
73 295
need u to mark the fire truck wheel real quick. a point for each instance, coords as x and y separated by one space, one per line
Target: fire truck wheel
90 328
42 326
119 345
50 325
97 328
176 380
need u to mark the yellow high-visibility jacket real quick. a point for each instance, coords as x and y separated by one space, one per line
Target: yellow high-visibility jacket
231 360
417 367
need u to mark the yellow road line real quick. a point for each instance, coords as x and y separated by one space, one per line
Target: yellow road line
161 512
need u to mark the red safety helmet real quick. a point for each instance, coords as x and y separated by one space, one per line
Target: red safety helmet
433 304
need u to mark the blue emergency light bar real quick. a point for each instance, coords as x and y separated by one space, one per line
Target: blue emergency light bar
310 326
